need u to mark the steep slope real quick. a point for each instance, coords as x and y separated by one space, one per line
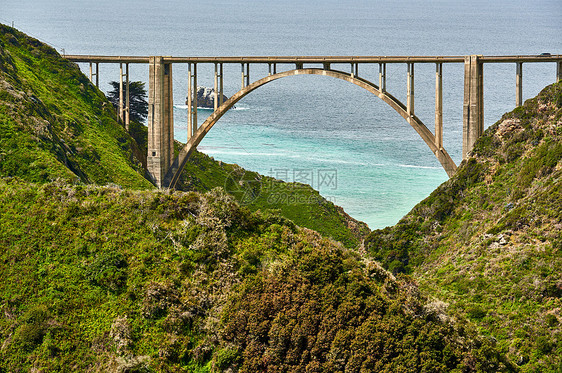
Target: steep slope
103 279
54 123
295 201
489 240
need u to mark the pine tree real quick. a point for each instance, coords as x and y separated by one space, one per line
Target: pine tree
138 105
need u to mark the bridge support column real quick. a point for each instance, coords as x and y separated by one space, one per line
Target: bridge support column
473 107
121 112
410 98
221 85
519 84
246 75
439 106
382 77
124 96
191 100
160 119
216 100
558 71
96 74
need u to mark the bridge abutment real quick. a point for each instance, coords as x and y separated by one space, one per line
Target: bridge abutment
473 108
160 119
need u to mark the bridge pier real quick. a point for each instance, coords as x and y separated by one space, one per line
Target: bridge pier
410 91
160 119
439 105
191 100
124 109
473 107
96 74
519 84
382 77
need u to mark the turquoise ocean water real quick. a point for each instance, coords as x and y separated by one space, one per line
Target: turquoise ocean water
306 127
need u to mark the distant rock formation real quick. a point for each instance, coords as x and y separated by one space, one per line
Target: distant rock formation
206 97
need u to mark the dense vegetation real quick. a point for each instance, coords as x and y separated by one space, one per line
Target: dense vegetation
108 279
488 240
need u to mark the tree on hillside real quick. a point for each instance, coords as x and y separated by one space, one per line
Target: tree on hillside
138 105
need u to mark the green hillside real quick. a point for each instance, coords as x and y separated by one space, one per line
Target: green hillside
489 242
103 279
55 124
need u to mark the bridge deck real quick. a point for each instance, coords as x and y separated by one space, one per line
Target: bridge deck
317 59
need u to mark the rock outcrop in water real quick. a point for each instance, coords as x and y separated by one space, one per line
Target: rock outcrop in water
206 98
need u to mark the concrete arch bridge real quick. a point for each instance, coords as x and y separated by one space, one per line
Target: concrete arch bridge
166 169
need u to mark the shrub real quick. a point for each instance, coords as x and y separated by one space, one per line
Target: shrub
109 270
33 329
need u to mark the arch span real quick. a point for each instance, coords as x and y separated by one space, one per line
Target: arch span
177 166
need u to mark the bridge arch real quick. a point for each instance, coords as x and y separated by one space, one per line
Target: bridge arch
172 176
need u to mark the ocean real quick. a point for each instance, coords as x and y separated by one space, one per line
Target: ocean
303 128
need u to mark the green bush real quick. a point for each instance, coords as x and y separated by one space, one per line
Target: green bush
108 270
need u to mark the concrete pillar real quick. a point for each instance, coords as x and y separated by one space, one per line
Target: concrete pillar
410 100
473 107
121 116
96 74
354 70
558 71
221 86
160 119
439 105
127 99
194 106
189 103
519 84
216 101
382 77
